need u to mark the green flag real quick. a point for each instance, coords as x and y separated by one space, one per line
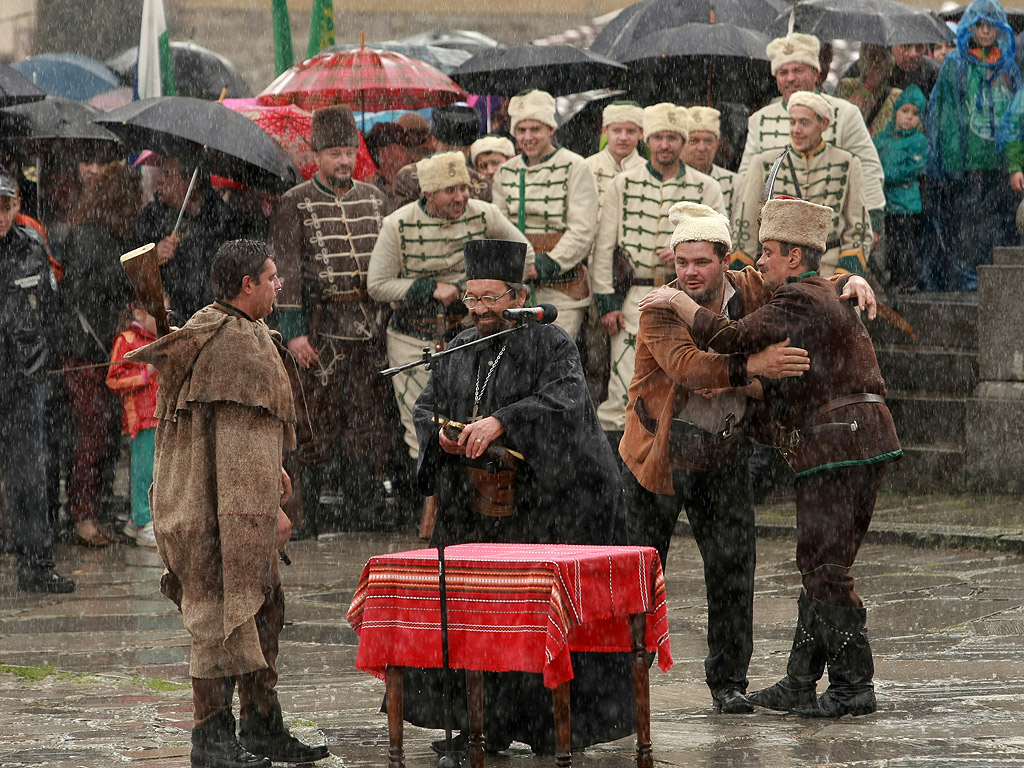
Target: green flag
283 55
321 27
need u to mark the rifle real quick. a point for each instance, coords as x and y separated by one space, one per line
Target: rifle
497 453
144 274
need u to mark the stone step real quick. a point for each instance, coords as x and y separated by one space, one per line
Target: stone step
935 468
928 369
937 319
928 418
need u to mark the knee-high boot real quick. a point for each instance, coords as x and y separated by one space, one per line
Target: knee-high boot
312 486
850 666
214 744
806 663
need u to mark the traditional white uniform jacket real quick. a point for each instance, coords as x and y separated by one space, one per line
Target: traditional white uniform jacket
768 128
728 181
605 169
827 176
414 252
557 195
635 218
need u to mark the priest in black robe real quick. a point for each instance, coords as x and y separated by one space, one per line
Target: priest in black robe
526 392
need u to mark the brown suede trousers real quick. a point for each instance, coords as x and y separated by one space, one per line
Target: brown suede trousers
257 691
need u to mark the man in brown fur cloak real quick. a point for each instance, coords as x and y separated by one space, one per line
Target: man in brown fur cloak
226 419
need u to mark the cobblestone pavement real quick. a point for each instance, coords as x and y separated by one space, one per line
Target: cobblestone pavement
98 678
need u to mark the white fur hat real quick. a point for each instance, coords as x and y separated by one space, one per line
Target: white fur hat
705 119
696 222
791 220
665 117
622 112
486 144
443 170
532 105
814 102
796 46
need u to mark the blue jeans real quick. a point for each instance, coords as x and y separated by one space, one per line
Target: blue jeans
23 465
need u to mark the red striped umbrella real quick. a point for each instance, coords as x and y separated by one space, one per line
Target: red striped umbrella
368 80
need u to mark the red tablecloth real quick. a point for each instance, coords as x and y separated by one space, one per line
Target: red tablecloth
510 607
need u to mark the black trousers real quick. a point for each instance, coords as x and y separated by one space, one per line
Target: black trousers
719 505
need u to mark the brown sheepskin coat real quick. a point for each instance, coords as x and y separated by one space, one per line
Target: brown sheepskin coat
226 418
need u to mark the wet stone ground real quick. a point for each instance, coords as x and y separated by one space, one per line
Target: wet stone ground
98 678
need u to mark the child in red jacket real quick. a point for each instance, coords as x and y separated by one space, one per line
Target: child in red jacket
136 386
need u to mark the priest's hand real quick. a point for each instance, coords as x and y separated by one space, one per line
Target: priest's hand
284 529
477 436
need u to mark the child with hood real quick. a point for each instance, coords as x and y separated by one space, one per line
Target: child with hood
903 150
976 84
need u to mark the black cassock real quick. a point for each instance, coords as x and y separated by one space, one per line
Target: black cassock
567 490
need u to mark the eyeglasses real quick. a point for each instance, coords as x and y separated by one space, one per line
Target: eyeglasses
487 301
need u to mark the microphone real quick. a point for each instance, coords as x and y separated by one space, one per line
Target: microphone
545 313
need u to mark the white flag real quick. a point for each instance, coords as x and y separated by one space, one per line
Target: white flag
154 75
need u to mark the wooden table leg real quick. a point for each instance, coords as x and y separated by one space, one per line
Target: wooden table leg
475 705
563 726
393 693
641 691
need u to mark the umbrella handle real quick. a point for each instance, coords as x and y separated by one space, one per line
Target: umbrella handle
184 205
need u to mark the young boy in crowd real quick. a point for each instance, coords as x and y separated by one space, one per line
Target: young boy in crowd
903 150
136 387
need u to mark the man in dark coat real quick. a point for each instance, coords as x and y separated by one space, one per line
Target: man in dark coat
27 315
525 392
185 256
838 437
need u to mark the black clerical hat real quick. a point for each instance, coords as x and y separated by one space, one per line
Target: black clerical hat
495 260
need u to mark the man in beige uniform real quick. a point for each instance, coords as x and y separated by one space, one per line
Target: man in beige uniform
549 194
636 221
417 265
622 123
702 146
796 66
453 129
822 174
322 233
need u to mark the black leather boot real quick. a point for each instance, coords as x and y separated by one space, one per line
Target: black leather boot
850 666
312 486
796 691
267 735
214 745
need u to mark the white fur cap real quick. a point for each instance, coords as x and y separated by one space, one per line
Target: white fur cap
705 119
443 170
796 46
533 105
791 220
696 222
814 102
622 112
665 117
486 144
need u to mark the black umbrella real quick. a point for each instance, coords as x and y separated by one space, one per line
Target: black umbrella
558 69
198 71
206 133
882 22
55 119
701 63
15 88
647 17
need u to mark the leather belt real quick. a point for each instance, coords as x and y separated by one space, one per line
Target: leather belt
644 281
854 399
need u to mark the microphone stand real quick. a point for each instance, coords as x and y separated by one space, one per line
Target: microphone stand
430 362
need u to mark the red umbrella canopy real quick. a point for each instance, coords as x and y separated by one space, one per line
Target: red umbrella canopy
292 127
366 79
